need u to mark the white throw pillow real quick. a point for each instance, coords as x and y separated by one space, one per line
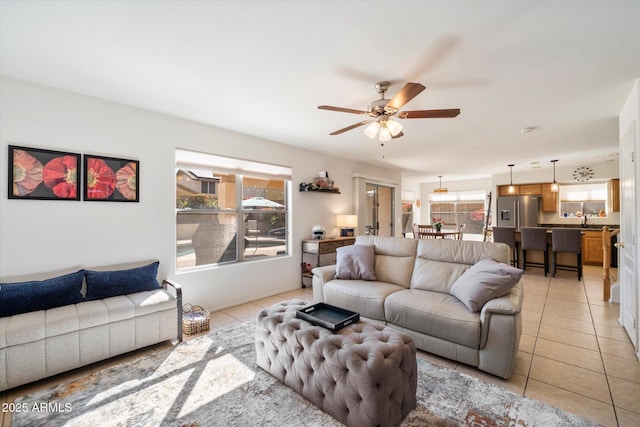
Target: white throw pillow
484 281
355 262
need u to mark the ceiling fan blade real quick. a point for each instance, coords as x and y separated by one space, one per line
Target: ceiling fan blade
398 135
357 125
340 109
429 114
406 94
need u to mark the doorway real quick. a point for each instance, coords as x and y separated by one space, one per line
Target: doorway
379 210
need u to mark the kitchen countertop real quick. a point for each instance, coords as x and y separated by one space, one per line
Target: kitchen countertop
594 227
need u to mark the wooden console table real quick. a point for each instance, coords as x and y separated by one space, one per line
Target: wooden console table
319 247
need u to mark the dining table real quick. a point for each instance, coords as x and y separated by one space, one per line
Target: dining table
442 234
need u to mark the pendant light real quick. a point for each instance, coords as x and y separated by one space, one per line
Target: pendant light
440 189
511 189
554 185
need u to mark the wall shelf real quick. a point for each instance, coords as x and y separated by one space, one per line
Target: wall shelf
321 190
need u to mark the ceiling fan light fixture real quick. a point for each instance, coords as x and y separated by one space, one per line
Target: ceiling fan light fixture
394 127
372 130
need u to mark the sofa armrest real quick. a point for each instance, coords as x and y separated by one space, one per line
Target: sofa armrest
507 305
510 303
176 290
322 275
501 323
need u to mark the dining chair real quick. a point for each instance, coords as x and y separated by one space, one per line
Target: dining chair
567 240
425 231
507 235
416 230
450 226
534 239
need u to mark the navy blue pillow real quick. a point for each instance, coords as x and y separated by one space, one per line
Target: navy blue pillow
23 297
104 284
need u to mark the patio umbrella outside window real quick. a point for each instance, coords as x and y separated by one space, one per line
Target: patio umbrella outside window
260 203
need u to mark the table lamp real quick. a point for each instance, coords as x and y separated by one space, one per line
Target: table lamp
347 224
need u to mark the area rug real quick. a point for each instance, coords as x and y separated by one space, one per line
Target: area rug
213 380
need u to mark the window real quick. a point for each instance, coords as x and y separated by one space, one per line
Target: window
579 200
229 210
461 207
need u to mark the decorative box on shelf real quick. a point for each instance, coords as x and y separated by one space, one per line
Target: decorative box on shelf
320 183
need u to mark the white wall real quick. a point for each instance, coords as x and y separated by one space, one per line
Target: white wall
41 237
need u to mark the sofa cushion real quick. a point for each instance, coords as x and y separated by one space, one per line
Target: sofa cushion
24 297
440 262
436 314
355 262
104 284
394 258
366 298
484 281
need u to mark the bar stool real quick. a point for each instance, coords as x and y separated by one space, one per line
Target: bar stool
534 239
567 240
507 235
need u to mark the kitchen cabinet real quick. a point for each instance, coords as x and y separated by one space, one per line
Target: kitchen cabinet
549 199
503 190
615 195
529 189
592 251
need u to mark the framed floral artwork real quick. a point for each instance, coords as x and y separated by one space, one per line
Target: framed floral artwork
37 174
110 179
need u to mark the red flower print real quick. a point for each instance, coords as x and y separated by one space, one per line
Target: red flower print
60 176
101 180
27 173
126 181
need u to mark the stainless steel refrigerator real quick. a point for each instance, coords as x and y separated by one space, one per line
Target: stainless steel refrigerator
518 211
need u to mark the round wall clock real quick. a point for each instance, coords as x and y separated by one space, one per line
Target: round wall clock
583 173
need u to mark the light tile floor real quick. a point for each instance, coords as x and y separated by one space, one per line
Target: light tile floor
573 353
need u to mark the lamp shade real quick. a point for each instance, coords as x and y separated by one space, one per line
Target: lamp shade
385 134
394 127
372 130
347 221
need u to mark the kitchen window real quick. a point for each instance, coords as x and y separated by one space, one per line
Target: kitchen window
580 200
229 210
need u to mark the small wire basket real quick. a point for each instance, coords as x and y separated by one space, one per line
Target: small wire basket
195 319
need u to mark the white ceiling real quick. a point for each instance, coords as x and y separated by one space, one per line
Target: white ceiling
564 67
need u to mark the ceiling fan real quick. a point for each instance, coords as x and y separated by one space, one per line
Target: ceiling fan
382 110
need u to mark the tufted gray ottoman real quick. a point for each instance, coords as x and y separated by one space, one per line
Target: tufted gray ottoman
364 375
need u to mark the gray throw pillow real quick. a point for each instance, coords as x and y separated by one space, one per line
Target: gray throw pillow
355 262
484 281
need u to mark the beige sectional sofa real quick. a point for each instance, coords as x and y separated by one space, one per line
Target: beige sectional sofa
43 333
412 292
